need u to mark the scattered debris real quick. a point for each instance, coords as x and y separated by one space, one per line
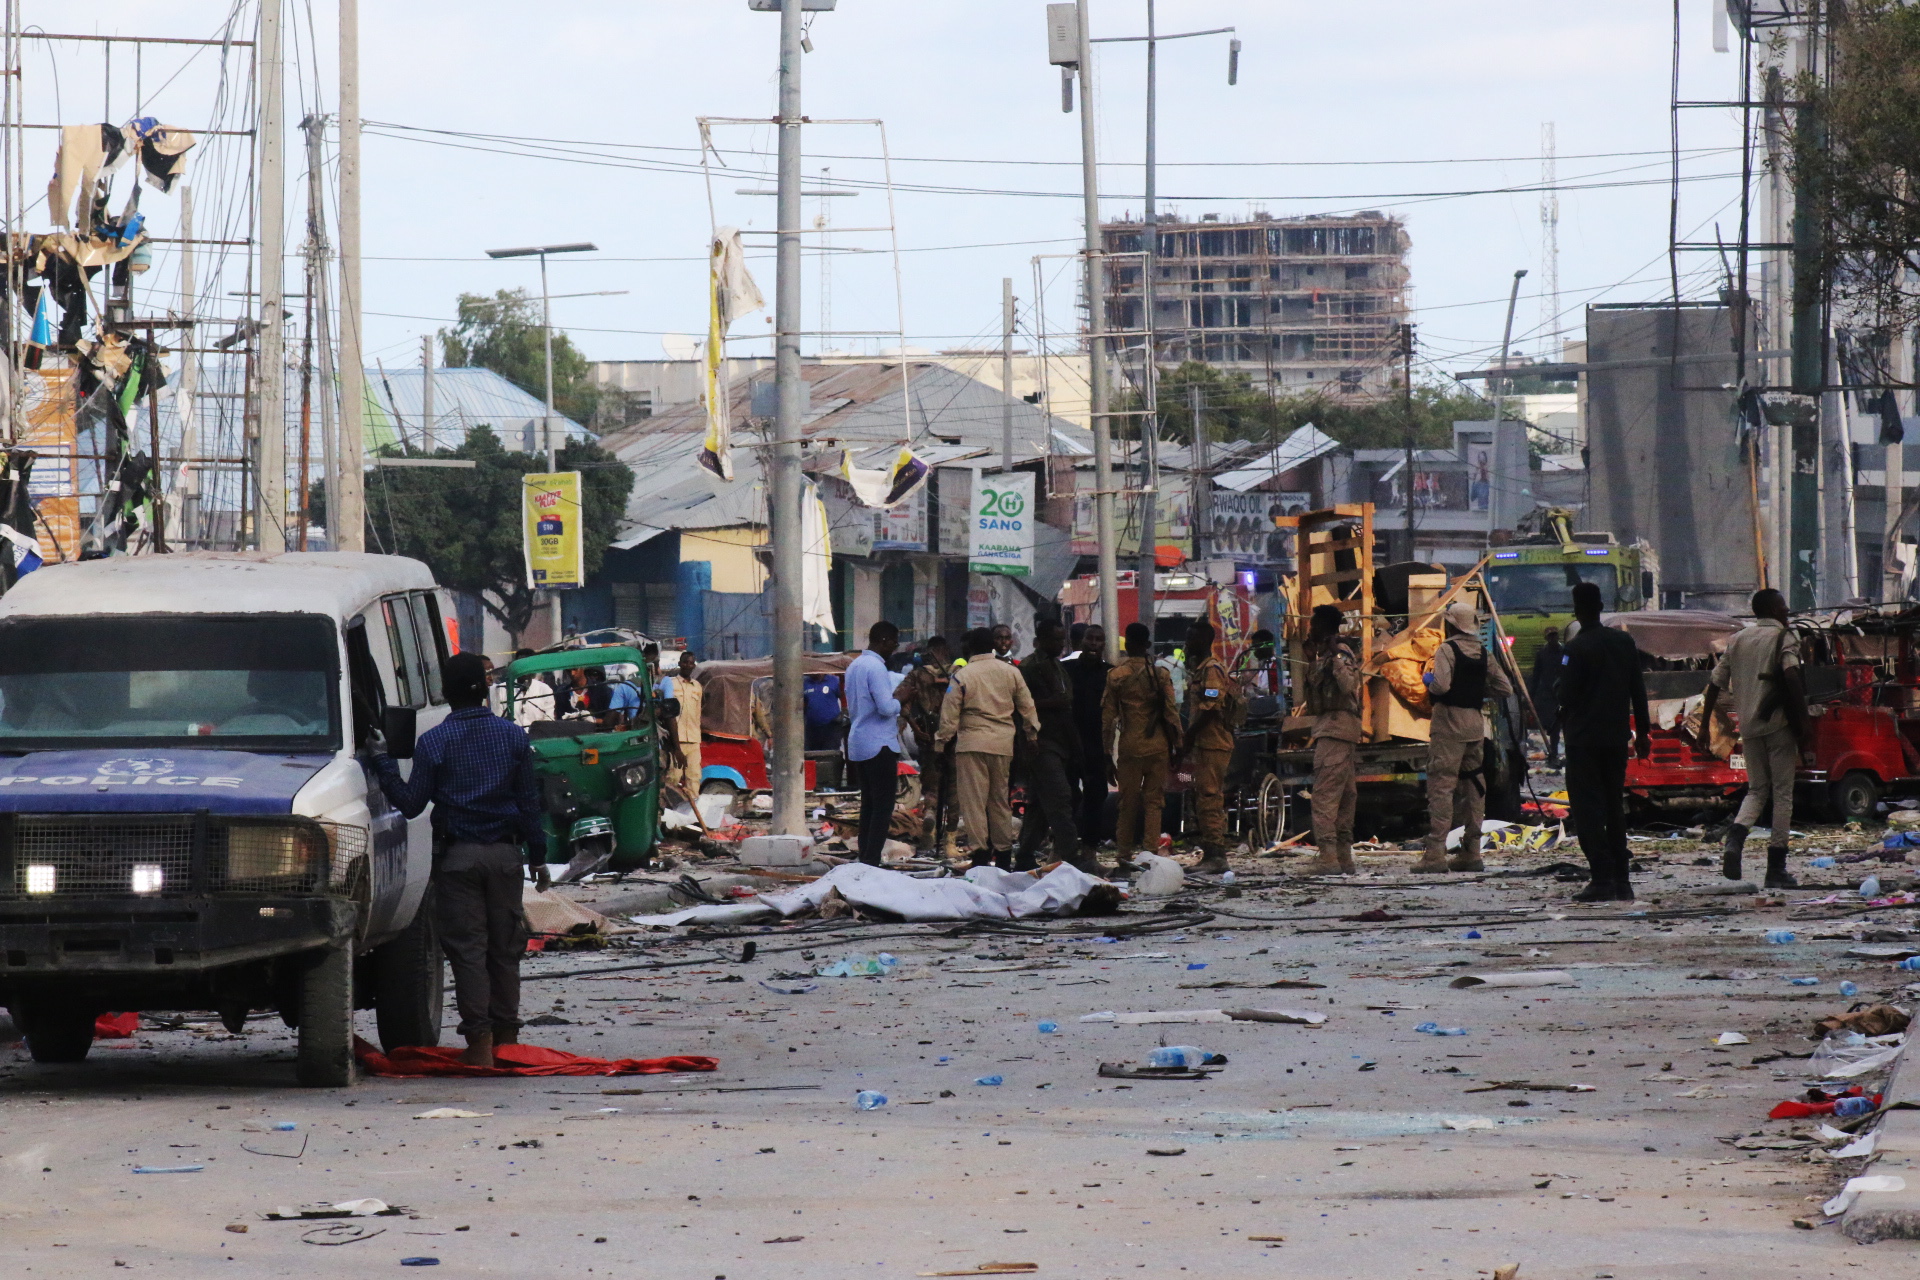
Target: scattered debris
452 1113
1526 978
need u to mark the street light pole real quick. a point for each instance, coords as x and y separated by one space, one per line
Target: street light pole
1097 345
784 522
1149 433
1500 391
545 444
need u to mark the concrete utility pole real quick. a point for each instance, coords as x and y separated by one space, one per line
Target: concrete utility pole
188 511
318 254
1006 374
1406 405
270 370
784 522
429 437
1070 45
347 507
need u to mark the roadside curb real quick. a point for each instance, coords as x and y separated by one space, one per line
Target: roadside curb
1893 1215
618 901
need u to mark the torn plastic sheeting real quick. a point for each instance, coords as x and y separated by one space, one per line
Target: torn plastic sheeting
1857 1186
1837 1059
553 913
1059 892
1535 978
365 1207
709 913
1861 1146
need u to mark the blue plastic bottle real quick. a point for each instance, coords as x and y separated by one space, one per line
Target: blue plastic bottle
869 1100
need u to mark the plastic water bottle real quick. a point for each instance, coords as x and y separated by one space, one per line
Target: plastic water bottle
869 1100
1226 877
1910 963
1804 982
1855 1106
1870 887
1780 937
1435 1029
284 1126
1849 989
1824 862
1177 1055
991 1080
1048 1028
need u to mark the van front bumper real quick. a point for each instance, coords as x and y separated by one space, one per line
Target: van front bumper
161 936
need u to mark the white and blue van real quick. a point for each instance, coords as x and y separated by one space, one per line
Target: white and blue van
185 822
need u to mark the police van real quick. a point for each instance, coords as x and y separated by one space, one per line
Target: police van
185 821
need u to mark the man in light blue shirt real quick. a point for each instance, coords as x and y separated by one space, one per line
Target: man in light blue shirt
873 737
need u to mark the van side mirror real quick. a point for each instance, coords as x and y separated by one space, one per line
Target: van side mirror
398 726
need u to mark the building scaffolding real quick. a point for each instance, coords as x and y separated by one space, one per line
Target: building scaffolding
1297 304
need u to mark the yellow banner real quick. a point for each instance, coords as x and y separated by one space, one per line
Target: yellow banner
55 486
551 512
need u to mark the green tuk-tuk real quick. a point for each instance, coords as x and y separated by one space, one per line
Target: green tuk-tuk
600 789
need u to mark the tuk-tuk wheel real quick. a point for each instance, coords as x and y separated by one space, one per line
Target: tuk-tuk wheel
1855 797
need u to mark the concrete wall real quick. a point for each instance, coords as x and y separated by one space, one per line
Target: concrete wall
1666 457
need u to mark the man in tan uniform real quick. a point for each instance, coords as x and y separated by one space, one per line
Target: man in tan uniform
1333 700
983 700
685 770
1760 672
1138 705
1213 712
1464 676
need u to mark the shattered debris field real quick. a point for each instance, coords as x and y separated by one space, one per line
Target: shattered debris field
1612 1122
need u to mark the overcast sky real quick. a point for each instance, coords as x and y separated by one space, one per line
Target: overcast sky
1378 104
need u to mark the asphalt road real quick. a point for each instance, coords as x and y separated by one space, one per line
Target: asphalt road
1324 1152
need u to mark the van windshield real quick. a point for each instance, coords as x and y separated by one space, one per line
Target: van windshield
1547 588
248 682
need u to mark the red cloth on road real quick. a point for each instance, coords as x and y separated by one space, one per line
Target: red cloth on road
525 1060
115 1026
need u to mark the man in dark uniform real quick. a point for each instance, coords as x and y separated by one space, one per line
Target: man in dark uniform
1087 673
1055 757
1600 683
1546 693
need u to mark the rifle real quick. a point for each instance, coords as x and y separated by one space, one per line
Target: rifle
943 765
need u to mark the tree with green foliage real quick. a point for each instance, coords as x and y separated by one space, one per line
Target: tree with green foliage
1855 158
1233 408
502 333
465 523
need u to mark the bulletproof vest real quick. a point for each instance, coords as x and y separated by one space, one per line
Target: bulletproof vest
1469 685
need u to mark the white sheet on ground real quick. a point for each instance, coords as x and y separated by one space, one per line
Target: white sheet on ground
1007 896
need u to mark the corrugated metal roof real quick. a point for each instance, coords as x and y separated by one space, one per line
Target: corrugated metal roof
855 406
464 399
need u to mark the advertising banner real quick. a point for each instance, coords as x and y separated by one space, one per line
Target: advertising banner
1000 537
551 513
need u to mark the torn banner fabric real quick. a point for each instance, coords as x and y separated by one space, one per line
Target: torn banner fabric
732 293
816 561
888 488
518 1060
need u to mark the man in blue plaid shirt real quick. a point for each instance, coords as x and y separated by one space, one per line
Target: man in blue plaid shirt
477 771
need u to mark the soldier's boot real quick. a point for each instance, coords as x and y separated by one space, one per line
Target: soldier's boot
1024 860
1344 851
1213 861
1328 863
1731 851
1778 877
1433 860
1003 859
1468 858
982 856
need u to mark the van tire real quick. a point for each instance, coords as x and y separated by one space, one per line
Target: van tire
55 1033
409 978
325 1058
1855 796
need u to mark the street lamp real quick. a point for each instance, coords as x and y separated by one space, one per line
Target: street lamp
546 325
546 336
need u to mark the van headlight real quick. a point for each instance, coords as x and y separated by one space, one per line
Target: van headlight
273 855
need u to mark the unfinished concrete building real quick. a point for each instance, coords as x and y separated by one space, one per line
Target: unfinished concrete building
1308 303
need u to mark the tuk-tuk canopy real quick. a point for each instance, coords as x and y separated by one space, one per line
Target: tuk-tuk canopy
1676 635
568 659
726 705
